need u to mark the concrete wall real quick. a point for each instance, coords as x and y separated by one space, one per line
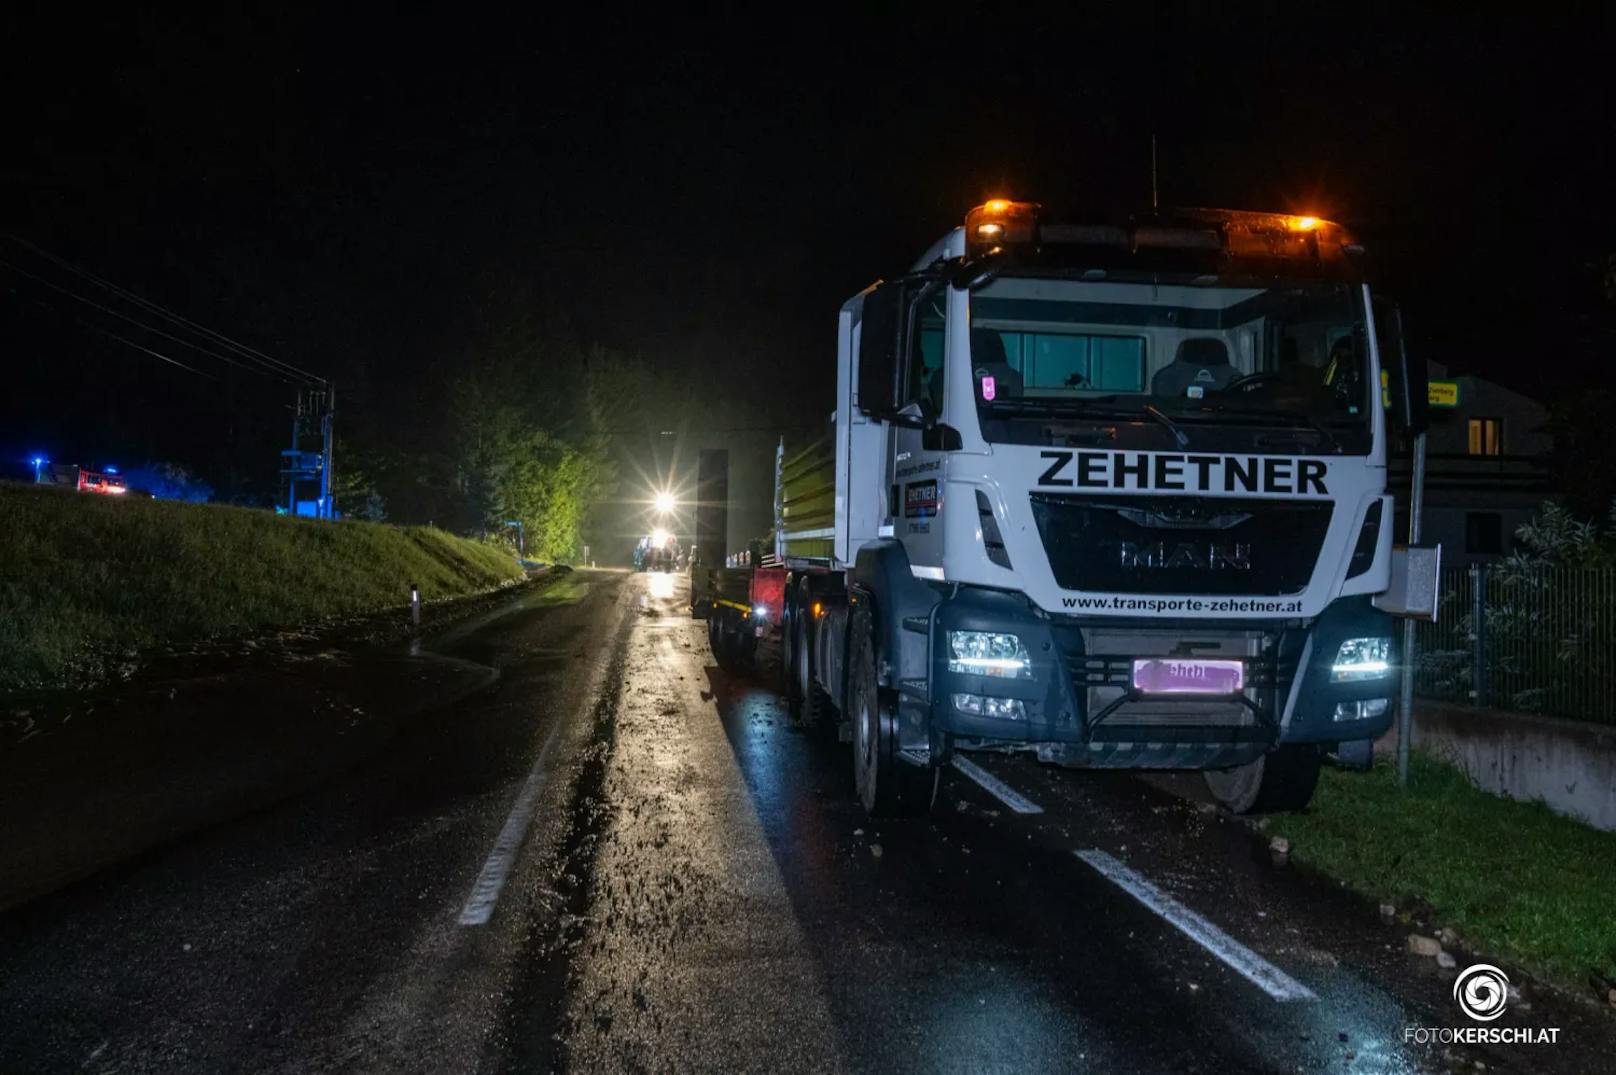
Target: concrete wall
1570 765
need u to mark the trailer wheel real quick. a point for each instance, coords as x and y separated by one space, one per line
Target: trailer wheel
715 637
743 646
1281 781
887 785
732 640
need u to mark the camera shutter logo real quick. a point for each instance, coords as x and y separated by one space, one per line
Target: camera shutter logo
1482 990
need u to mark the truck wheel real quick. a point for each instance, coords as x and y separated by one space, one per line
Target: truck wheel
1278 782
789 620
809 702
728 650
743 646
887 785
722 641
791 644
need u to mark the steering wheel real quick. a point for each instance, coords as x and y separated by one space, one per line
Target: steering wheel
1254 382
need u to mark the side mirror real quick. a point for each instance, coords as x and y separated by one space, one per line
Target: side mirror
970 274
1408 386
879 330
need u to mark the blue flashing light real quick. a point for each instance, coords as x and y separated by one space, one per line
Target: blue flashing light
38 461
112 470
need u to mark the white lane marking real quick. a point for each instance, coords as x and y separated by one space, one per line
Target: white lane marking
1242 960
996 787
485 893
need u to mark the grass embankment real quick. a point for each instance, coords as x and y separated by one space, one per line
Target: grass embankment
85 580
1514 880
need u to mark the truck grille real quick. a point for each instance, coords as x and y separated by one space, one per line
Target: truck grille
1181 545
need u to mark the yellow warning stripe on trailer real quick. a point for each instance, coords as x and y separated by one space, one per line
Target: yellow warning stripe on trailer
732 604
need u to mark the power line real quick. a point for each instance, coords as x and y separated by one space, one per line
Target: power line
164 312
124 340
148 328
149 351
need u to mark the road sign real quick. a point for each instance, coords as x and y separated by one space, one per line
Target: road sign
1438 393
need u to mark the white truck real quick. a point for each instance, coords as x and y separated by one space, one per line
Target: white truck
1112 492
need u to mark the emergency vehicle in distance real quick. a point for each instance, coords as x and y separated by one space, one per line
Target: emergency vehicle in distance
107 482
1110 491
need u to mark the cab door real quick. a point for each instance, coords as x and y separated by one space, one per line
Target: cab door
918 458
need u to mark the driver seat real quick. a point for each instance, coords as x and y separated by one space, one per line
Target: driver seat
988 359
1201 361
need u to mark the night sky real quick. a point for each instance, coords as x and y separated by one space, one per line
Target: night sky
351 195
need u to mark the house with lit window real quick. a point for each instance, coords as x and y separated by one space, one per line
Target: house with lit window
1487 468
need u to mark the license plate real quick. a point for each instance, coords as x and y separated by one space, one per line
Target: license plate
1171 675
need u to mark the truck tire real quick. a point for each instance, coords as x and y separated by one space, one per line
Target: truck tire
1281 781
788 628
790 645
743 646
734 644
718 639
810 704
887 785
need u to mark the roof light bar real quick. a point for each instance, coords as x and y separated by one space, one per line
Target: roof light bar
1000 222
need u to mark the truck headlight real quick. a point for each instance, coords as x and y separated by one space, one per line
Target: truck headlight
1361 658
987 653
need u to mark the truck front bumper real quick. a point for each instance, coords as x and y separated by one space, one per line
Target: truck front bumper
1076 703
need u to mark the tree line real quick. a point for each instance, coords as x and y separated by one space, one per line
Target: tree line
526 424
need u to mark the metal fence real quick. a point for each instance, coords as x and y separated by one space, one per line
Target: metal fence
1538 641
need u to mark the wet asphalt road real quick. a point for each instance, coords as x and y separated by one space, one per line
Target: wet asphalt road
618 858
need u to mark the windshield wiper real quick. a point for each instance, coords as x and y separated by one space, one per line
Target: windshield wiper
1088 408
1172 427
1294 417
1040 405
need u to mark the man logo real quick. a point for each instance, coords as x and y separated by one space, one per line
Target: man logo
1196 555
1482 990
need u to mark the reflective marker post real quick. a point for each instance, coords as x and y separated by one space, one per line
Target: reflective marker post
1405 706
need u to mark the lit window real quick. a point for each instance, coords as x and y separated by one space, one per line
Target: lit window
1486 436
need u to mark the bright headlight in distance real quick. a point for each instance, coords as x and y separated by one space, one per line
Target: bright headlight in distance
1361 658
988 653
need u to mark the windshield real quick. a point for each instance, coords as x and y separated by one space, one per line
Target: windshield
1179 363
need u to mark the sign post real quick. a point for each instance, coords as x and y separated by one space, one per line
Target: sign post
1405 706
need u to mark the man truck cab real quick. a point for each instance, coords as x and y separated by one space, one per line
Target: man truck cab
1112 492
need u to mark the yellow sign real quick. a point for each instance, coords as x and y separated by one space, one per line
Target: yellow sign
1438 393
1443 394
